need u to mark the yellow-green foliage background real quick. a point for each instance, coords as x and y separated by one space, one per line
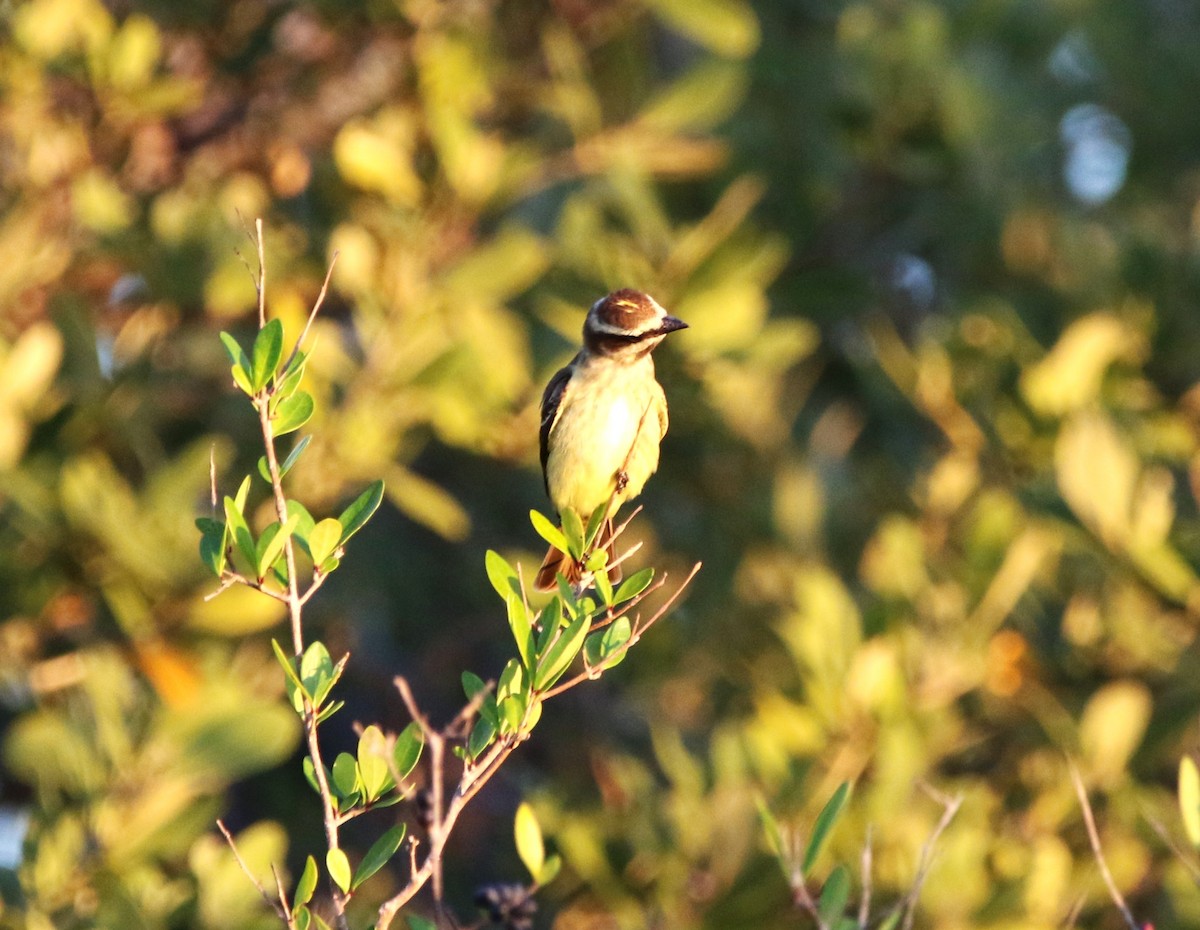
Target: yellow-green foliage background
934 434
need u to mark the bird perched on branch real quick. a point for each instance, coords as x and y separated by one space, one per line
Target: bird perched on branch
603 417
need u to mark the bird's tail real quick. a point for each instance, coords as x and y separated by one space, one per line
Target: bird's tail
560 563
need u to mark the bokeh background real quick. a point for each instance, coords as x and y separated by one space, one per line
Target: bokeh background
934 435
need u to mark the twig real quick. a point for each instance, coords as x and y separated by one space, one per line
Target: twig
295 602
950 808
262 273
271 903
1187 861
636 635
1089 821
313 313
864 905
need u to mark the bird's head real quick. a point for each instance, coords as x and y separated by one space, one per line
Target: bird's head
627 323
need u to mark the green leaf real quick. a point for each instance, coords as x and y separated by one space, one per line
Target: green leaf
323 540
561 653
825 821
502 575
307 884
481 736
372 767
511 711
289 666
241 364
835 894
1189 798
607 643
294 456
302 916
594 525
242 537
634 585
329 710
567 596
521 625
355 516
602 582
512 680
316 672
310 774
550 619
420 923
378 855
293 413
572 529
243 492
304 523
290 379
345 775
531 849
270 546
268 349
548 531
408 749
774 834
891 921
549 871
212 544
339 868
472 685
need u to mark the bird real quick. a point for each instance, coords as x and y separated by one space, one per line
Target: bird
603 418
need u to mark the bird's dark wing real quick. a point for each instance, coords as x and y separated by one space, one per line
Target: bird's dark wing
551 398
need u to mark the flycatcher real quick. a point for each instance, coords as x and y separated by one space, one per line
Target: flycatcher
603 417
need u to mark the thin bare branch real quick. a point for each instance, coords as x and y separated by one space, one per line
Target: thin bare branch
864 904
1089 821
262 273
950 806
634 637
313 313
271 903
1186 860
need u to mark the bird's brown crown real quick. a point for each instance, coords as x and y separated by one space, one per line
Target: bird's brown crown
628 312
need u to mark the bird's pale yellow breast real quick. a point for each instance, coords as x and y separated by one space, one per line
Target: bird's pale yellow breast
611 417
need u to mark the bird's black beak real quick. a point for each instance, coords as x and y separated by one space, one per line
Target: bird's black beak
670 324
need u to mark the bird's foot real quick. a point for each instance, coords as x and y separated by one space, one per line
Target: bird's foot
622 481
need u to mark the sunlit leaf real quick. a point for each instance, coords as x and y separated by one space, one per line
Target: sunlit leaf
521 625
355 517
293 413
527 833
307 883
634 585
502 575
1189 798
548 531
339 868
572 530
268 348
560 654
409 743
345 775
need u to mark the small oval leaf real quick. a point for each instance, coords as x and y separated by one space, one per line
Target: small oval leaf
527 833
307 884
378 855
339 868
293 413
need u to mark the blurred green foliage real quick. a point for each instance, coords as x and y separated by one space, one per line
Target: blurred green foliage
934 433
